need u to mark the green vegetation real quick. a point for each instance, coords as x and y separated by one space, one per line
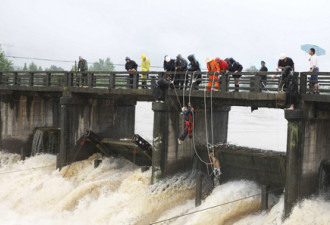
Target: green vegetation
252 69
54 68
102 65
5 64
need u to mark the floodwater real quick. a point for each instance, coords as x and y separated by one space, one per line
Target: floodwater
118 193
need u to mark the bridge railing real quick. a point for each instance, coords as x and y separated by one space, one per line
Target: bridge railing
307 81
249 81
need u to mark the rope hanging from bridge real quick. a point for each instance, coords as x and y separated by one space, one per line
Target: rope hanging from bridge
215 206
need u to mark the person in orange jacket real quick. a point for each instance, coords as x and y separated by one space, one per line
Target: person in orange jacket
213 67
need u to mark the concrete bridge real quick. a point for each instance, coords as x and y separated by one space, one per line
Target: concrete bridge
106 105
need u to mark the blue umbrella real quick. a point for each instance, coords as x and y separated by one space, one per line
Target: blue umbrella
318 50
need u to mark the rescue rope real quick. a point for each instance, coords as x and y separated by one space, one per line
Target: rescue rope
177 96
16 171
184 88
193 75
215 206
193 131
75 156
206 129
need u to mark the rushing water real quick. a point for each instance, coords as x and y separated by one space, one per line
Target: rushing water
117 192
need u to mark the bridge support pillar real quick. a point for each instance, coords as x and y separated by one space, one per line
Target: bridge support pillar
307 145
168 157
220 116
66 131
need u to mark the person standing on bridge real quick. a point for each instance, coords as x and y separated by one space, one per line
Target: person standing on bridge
83 67
314 67
235 67
188 122
283 62
263 68
160 87
181 67
223 65
145 67
169 66
195 67
130 66
214 70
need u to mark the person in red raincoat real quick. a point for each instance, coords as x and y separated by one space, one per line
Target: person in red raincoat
188 122
214 69
223 65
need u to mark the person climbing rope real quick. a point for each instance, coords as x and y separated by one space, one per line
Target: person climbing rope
188 122
216 172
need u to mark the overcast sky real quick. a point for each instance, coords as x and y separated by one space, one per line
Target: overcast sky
245 30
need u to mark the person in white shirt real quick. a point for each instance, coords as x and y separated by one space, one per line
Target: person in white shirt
314 67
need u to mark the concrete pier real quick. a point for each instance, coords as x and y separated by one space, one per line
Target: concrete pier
220 124
307 145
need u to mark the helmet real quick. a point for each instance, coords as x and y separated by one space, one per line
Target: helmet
282 56
143 56
127 58
208 59
217 59
167 59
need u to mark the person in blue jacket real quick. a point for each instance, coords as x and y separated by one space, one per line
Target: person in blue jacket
235 67
188 123
194 66
130 66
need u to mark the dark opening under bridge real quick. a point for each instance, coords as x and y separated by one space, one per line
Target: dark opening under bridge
107 106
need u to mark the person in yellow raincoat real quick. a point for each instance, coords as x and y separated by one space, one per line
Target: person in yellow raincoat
145 67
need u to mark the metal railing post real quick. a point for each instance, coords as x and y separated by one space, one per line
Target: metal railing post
31 79
66 79
257 82
135 80
48 79
112 80
15 79
69 79
223 78
303 83
153 81
90 80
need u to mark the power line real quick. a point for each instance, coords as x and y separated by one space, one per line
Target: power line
16 171
212 207
70 61
66 61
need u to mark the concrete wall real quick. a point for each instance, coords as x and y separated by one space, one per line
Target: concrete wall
21 114
220 124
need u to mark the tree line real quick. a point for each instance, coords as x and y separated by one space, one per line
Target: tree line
7 65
